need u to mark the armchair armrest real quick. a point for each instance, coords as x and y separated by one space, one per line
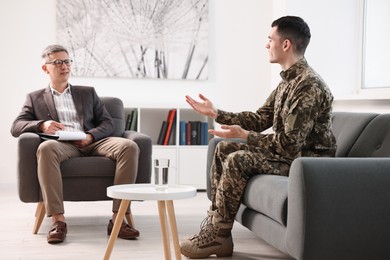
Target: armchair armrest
339 208
28 184
144 143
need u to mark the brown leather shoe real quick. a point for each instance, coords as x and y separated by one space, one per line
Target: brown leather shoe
125 231
57 233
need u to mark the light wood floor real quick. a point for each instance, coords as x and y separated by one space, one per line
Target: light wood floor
87 236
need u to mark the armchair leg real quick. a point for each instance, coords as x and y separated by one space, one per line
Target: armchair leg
39 215
129 217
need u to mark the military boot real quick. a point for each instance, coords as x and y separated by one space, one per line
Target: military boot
214 238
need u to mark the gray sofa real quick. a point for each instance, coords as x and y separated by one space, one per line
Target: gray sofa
328 208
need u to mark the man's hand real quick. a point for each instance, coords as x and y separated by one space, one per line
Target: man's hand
83 143
205 108
50 127
230 131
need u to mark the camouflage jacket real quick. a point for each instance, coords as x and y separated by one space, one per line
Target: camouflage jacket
299 112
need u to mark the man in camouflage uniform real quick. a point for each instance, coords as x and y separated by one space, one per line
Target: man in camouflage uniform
299 112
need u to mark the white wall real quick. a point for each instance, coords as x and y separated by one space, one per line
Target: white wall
334 47
240 77
238 32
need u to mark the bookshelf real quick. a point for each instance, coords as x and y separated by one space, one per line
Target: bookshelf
188 161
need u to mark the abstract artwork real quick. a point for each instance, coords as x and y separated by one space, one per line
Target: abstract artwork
158 39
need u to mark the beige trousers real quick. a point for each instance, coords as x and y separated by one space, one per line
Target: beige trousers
51 153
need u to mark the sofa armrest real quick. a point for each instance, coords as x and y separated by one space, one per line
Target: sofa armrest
339 208
28 184
144 143
210 155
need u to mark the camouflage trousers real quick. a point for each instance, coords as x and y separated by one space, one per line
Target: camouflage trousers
233 164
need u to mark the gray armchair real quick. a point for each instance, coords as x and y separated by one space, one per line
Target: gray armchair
84 178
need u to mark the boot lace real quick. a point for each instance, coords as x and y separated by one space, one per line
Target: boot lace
207 233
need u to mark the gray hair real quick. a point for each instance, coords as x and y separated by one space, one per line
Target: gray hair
52 49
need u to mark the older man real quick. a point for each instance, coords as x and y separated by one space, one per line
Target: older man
62 106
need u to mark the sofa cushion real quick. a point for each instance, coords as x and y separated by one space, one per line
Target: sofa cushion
267 194
346 127
374 141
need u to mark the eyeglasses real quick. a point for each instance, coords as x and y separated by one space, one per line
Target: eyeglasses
59 63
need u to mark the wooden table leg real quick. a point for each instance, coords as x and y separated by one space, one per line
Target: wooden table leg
173 225
129 217
164 229
115 229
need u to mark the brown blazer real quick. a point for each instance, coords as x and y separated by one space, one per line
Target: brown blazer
39 107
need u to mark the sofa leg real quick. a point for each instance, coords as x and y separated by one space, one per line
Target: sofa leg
39 215
129 217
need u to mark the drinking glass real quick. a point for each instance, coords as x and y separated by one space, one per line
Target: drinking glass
161 169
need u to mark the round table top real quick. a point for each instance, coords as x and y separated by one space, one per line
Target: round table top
149 192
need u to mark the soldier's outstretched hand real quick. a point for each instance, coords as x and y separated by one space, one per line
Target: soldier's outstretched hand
205 108
230 131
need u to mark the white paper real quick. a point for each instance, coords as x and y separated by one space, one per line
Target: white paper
65 136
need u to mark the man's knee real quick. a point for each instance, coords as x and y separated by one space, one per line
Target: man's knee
223 144
128 146
226 147
240 163
132 147
239 159
47 147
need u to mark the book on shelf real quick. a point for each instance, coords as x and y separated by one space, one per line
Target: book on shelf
193 133
182 132
171 120
188 133
134 118
163 131
204 135
172 137
128 121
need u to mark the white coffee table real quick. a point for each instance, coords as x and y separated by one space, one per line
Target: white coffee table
128 192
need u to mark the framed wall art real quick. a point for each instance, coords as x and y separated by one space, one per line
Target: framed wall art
159 39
